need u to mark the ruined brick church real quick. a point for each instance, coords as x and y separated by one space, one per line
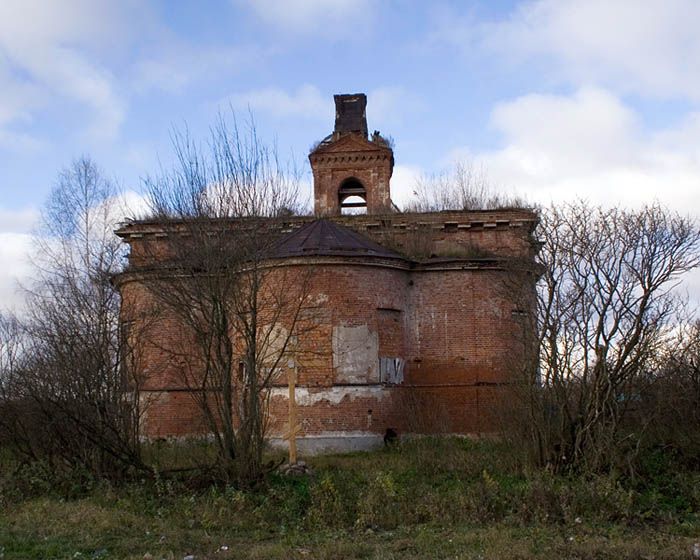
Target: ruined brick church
419 327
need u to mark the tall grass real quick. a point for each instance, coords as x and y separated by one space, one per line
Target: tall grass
426 486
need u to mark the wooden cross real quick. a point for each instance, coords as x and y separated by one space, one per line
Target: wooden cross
294 427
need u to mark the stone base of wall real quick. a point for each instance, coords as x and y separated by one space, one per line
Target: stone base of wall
331 443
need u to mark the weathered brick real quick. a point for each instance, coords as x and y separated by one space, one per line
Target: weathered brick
447 310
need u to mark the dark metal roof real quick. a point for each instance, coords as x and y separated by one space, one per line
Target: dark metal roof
326 238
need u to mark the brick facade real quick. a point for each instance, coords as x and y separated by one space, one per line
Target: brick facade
348 164
351 159
443 308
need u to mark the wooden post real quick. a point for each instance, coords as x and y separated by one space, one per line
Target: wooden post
294 428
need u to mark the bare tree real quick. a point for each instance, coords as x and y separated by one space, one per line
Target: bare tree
11 353
463 187
670 394
71 388
239 315
12 359
606 307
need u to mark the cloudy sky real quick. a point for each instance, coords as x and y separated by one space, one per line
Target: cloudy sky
555 99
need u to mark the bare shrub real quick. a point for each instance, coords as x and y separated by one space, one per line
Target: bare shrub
240 316
668 396
65 391
606 308
463 187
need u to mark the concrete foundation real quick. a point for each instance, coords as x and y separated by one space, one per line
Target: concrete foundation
331 443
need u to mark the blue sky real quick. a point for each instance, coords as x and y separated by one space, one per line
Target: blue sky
554 99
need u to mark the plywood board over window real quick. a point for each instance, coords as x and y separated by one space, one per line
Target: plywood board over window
391 370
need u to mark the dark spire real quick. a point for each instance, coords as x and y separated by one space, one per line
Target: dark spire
350 114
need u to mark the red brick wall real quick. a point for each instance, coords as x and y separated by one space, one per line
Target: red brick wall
451 320
452 327
371 165
462 331
171 413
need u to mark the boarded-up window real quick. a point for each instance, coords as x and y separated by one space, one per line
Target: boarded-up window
391 370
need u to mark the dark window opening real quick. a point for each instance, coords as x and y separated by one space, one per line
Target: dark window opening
352 197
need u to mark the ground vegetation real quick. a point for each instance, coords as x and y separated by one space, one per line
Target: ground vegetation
425 498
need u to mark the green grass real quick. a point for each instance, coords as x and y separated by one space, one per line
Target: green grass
429 498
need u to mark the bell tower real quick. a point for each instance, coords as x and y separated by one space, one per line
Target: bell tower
351 171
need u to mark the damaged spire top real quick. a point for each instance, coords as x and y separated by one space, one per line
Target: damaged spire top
350 113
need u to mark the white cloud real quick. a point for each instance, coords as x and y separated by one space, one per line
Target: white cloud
387 106
52 49
306 193
590 145
650 47
391 106
577 133
17 242
17 97
173 64
80 22
128 205
328 18
72 75
17 221
16 269
403 184
18 142
15 248
17 100
93 54
306 102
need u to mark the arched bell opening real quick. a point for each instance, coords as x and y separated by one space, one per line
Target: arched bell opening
352 197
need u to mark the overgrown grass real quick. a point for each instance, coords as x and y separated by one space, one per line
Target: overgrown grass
427 498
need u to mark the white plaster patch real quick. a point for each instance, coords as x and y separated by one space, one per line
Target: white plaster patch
355 354
334 395
271 345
